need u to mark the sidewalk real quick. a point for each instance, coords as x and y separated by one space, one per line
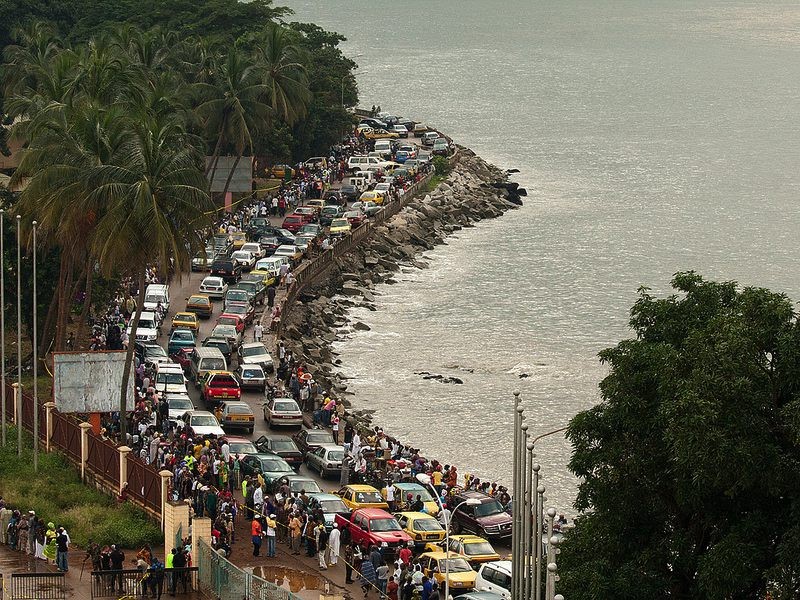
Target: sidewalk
77 587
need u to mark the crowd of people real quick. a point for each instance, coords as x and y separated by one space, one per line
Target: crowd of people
29 533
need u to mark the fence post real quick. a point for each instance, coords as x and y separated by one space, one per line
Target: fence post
48 427
165 476
201 529
85 427
123 467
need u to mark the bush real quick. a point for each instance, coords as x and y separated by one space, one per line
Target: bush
441 166
57 494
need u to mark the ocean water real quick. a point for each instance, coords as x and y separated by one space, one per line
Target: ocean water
652 137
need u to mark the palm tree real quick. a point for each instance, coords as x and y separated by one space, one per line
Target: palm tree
233 107
283 62
156 206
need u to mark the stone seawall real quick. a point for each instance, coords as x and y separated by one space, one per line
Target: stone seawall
474 190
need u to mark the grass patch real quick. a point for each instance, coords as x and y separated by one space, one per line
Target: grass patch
57 494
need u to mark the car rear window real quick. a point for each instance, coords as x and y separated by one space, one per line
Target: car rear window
223 381
286 407
239 409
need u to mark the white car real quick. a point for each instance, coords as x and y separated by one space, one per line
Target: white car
147 329
256 353
170 380
244 258
202 422
495 576
288 250
178 404
253 248
383 188
214 287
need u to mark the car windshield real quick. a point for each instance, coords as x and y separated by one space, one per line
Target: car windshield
236 309
252 373
236 294
275 466
227 321
146 324
476 548
225 330
180 404
339 223
368 498
199 300
253 351
279 445
154 351
427 525
204 421
309 485
454 565
169 378
182 335
335 455
286 407
489 508
332 506
213 282
320 437
384 525
242 447
214 364
153 298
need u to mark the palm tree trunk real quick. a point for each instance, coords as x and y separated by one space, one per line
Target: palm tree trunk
230 175
126 374
87 301
64 301
215 156
46 334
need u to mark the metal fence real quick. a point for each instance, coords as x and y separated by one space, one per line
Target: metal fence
102 458
38 586
220 578
133 583
144 484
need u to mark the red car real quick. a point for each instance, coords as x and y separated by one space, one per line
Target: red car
182 358
355 218
231 319
372 527
293 223
219 386
242 310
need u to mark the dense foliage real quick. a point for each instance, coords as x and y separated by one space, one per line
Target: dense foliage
689 465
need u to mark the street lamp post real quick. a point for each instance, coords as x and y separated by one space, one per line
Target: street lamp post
540 490
530 507
516 531
551 556
3 321
18 422
426 480
35 366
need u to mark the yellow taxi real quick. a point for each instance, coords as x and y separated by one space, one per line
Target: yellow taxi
372 196
268 277
363 128
474 548
317 205
188 320
422 527
239 239
361 496
282 171
406 493
380 134
340 227
436 564
200 304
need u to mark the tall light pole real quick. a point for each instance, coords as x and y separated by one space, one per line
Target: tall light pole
516 532
540 490
426 480
35 366
530 502
3 320
551 556
19 336
524 525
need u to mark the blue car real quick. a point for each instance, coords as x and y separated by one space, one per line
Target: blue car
180 338
402 156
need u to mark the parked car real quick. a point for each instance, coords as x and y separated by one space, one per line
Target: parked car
227 269
231 319
256 353
238 415
269 243
475 549
180 338
457 570
328 214
200 304
349 192
326 459
170 380
368 207
308 439
283 412
178 405
201 422
329 505
244 310
246 260
361 496
293 222
221 344
213 287
253 248
187 320
238 239
269 466
255 288
229 333
421 527
400 130
310 229
251 377
300 483
202 261
219 386
495 577
355 217
240 446
282 172
372 527
283 446
290 251
484 516
420 129
340 227
148 328
372 196
429 137
236 294
150 353
441 147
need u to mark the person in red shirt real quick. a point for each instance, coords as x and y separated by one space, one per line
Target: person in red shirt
391 589
405 555
255 532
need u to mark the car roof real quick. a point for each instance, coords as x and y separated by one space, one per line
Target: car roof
332 446
203 296
440 554
361 487
473 494
324 496
416 515
468 537
253 344
504 565
374 513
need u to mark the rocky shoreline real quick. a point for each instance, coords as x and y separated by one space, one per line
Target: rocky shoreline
474 190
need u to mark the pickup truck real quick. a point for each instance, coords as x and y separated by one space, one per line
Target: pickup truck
372 526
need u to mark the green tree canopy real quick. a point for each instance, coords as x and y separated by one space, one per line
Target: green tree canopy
689 465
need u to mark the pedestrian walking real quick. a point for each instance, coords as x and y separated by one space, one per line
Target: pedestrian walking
321 536
255 535
272 525
258 332
334 539
369 578
271 296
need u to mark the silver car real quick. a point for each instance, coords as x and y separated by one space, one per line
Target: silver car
256 353
251 377
283 412
214 288
327 459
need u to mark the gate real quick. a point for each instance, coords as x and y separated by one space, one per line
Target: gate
38 586
144 484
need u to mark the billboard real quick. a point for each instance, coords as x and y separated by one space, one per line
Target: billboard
86 382
242 179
